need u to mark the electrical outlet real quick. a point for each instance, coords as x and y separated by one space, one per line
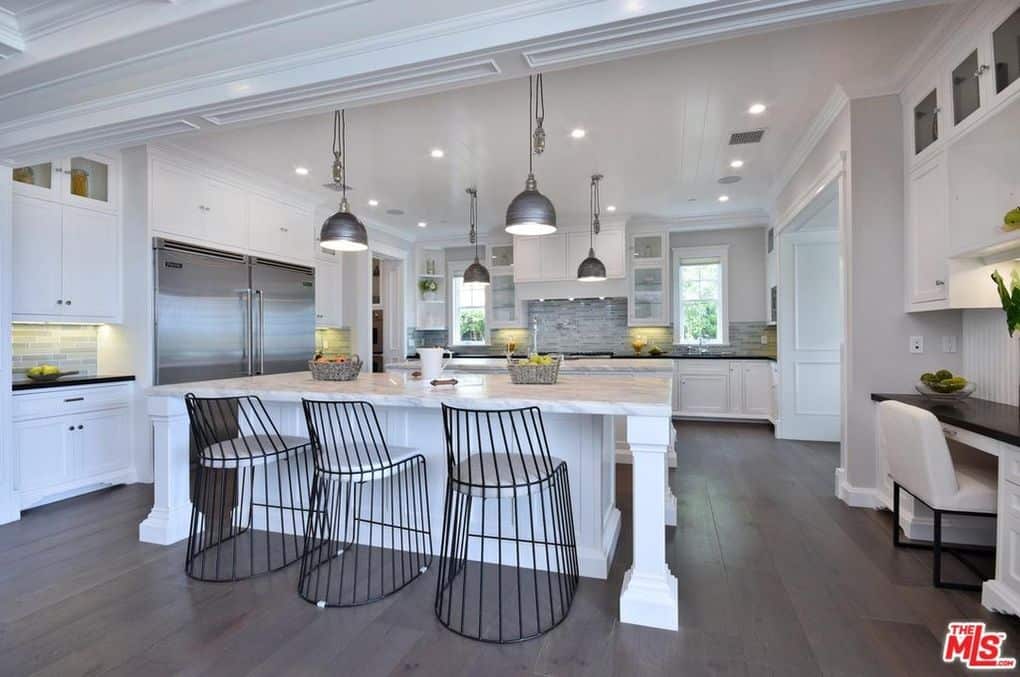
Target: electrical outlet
764 340
949 344
917 344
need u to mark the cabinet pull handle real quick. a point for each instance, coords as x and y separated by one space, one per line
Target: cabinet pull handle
940 283
982 69
74 399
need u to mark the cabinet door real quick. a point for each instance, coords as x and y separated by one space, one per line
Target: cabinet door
101 442
503 300
298 241
90 181
327 294
41 180
757 389
553 257
225 213
647 305
527 259
926 121
577 251
176 206
91 264
704 393
612 249
929 231
36 254
42 453
268 220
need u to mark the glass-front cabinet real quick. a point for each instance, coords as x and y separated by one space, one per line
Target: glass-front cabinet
966 87
501 255
505 310
926 121
88 181
648 306
1006 52
648 247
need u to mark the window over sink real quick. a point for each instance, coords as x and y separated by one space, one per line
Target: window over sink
468 310
700 296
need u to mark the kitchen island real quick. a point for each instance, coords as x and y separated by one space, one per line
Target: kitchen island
579 416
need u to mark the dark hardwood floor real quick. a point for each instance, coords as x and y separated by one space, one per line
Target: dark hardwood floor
777 577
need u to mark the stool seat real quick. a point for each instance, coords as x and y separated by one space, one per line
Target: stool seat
249 450
362 459
502 474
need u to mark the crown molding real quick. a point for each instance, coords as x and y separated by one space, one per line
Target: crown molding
750 218
117 136
823 120
11 40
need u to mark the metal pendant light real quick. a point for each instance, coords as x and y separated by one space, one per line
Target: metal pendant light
531 213
592 269
476 274
342 231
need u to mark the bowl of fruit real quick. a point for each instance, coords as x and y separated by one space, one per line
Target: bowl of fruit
535 369
944 386
44 373
335 368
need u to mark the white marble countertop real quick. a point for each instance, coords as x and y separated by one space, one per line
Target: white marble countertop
590 393
485 365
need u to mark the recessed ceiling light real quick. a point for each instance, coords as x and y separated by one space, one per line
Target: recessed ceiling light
437 153
611 208
570 298
422 224
578 133
373 203
756 109
724 198
301 171
737 164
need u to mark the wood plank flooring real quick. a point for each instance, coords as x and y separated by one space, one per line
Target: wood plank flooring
777 577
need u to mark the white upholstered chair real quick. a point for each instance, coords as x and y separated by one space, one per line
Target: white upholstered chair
920 463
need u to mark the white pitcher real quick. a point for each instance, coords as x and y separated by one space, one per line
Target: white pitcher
433 362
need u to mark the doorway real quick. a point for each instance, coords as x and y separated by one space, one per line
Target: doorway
811 321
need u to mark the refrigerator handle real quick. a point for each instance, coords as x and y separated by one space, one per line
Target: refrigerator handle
262 330
248 342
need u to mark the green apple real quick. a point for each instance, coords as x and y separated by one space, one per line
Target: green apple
50 370
1012 220
35 371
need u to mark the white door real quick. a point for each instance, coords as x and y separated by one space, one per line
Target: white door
225 215
91 265
810 335
42 453
327 294
268 221
611 248
36 254
101 446
929 231
704 393
176 201
553 257
394 334
527 259
757 388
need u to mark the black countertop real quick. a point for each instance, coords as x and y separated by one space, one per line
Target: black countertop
984 417
76 380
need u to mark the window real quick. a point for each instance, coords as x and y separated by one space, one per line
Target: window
700 307
469 319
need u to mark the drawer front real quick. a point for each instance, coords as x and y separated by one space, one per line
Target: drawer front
61 401
1007 569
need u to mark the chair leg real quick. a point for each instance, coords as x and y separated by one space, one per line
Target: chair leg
896 515
936 568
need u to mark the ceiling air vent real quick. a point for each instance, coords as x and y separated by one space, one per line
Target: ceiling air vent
752 136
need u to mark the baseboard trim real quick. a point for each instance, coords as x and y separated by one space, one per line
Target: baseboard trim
999 598
856 497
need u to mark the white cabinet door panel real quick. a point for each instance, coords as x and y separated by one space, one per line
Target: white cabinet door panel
100 446
43 453
328 308
704 393
91 265
929 231
267 220
36 255
527 259
757 388
176 201
553 257
226 213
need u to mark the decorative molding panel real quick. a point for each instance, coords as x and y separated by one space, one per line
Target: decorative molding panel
11 39
108 137
372 86
991 359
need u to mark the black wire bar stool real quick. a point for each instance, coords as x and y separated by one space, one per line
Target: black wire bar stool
248 498
508 507
368 532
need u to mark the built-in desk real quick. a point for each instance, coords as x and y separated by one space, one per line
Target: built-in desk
993 428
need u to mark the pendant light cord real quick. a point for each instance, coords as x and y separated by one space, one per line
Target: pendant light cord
531 126
340 150
343 152
594 208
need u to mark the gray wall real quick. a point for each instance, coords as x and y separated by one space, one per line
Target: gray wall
746 266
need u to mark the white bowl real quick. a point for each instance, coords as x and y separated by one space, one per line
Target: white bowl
956 396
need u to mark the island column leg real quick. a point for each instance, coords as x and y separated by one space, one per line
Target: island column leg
170 517
649 595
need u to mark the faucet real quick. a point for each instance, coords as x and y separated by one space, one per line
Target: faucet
534 335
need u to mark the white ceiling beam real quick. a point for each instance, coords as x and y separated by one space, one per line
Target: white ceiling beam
11 40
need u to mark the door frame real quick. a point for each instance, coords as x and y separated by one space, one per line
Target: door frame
9 511
392 317
834 174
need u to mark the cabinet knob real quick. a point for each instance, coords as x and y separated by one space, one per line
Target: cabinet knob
940 283
60 302
67 302
71 428
982 69
81 427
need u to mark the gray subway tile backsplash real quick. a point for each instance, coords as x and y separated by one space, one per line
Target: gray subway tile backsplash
70 347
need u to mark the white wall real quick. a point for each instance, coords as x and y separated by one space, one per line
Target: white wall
8 510
746 266
878 349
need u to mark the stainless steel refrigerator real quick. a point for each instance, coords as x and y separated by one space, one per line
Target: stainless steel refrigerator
221 315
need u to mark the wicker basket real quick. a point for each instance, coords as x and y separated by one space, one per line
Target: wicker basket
534 374
336 371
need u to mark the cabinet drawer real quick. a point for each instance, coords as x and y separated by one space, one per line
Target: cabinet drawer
60 401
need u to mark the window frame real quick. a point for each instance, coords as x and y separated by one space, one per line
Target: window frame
679 256
456 269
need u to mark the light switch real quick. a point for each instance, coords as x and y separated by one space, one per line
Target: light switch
917 344
764 340
949 344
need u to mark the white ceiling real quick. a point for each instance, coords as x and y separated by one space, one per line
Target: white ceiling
657 128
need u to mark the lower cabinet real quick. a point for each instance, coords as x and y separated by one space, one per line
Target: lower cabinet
328 296
68 441
722 388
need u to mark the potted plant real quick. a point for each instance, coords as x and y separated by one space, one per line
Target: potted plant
1010 298
428 288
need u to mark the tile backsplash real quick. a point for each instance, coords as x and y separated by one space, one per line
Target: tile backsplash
599 325
333 341
68 346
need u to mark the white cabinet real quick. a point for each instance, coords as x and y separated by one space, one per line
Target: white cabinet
328 296
720 388
555 258
188 204
648 286
610 248
90 181
71 440
928 231
66 262
527 259
280 229
552 257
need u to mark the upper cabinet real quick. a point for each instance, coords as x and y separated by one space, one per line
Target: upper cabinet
555 258
89 181
1006 52
648 285
187 202
927 232
926 122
